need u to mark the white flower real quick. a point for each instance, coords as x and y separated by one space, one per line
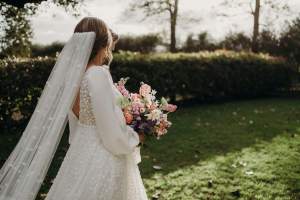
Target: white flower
152 97
153 92
148 98
154 114
157 122
165 117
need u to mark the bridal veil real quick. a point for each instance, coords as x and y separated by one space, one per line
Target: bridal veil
24 171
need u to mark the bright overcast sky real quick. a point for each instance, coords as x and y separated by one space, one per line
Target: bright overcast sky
54 24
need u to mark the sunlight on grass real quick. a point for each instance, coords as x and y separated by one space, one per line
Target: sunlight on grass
237 150
248 150
269 170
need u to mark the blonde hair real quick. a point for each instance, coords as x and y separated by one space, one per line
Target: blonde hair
103 38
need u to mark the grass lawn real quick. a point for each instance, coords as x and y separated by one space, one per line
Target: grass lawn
239 150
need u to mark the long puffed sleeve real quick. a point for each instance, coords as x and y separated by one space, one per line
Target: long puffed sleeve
72 125
116 136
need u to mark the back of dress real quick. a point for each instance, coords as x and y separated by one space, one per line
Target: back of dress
86 116
89 171
103 152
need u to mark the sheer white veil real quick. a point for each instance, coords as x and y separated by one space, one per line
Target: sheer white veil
24 171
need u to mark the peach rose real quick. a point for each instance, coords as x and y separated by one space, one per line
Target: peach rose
128 117
145 89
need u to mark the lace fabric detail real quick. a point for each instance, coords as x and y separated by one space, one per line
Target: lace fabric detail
86 116
89 171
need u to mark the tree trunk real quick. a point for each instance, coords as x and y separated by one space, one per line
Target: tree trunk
173 19
256 16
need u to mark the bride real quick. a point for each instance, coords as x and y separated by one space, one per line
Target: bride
95 165
101 163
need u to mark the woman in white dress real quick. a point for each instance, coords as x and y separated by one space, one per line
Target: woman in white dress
101 163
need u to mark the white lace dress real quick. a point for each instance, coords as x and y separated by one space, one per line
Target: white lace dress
101 163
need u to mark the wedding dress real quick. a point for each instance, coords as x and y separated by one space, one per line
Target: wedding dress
101 162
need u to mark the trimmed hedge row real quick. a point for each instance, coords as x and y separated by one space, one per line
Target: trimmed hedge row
206 75
200 75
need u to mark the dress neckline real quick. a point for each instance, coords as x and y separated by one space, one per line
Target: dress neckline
105 66
99 66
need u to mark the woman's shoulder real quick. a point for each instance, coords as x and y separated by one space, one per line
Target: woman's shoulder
97 68
97 73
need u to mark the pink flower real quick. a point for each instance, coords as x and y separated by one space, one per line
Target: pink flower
153 107
161 129
136 106
142 106
135 97
123 90
145 89
170 108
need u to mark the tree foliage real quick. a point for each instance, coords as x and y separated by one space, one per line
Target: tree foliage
152 8
290 41
143 43
16 31
255 8
15 25
203 41
22 3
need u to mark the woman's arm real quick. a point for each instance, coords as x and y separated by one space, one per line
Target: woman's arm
72 125
115 135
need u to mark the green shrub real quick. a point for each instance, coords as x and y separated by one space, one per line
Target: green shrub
21 84
143 43
204 76
46 50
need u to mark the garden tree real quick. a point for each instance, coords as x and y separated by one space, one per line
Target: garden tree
50 50
202 42
190 44
255 8
236 42
16 31
15 25
22 3
143 43
290 41
152 8
268 42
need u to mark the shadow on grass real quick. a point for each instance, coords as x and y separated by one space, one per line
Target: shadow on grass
200 132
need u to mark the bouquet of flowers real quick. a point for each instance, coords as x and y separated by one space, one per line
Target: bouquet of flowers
142 111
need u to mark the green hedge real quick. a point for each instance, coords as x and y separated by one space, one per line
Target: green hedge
204 76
